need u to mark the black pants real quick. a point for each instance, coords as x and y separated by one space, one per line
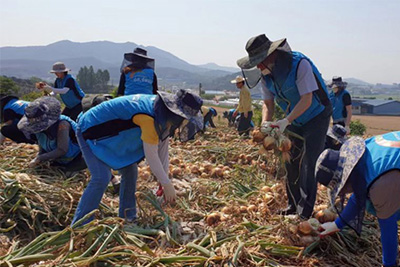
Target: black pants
340 123
77 164
208 118
72 112
11 131
301 186
245 123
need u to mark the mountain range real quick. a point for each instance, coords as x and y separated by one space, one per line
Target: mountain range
29 61
25 62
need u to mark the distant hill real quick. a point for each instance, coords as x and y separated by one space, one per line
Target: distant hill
356 81
25 62
213 66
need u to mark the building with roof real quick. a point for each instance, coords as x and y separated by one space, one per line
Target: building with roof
375 106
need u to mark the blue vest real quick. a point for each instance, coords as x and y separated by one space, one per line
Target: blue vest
70 99
18 106
50 144
338 106
383 155
287 95
140 83
110 132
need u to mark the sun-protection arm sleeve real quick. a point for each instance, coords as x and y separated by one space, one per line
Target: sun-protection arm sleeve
155 163
389 240
62 143
163 153
146 124
57 90
349 212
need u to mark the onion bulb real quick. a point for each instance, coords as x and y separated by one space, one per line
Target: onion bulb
269 142
284 143
258 136
213 218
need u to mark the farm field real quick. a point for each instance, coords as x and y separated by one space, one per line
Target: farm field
379 124
226 214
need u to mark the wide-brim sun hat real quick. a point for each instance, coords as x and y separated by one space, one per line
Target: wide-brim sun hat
238 79
40 115
187 106
59 67
258 48
337 81
338 133
333 168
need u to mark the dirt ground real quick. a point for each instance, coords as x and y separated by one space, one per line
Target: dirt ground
379 124
375 124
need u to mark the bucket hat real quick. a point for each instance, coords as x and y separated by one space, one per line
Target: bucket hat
4 99
333 168
187 106
238 79
338 133
258 48
90 101
337 81
40 115
59 67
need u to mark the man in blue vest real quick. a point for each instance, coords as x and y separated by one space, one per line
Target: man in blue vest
370 170
341 103
294 82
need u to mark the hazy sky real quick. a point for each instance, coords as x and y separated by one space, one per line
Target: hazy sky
358 39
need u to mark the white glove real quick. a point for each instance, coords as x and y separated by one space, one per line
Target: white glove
282 124
347 130
169 192
329 229
266 127
34 162
2 138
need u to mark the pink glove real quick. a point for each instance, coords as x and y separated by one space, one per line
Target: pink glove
282 124
328 228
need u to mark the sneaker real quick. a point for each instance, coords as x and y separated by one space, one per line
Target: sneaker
289 210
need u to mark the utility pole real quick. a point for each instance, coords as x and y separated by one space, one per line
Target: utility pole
200 89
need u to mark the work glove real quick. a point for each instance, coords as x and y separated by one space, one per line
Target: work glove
34 162
347 130
169 192
2 138
282 124
266 127
328 228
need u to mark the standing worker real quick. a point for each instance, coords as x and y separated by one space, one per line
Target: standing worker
294 82
341 103
244 108
68 88
138 76
370 170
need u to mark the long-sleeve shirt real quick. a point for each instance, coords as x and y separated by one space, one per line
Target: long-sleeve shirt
244 100
155 151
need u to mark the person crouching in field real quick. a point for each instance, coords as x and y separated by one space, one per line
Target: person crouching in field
12 109
118 133
69 90
55 134
208 114
244 108
229 116
370 170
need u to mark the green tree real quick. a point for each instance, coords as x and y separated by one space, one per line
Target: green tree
91 81
8 86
